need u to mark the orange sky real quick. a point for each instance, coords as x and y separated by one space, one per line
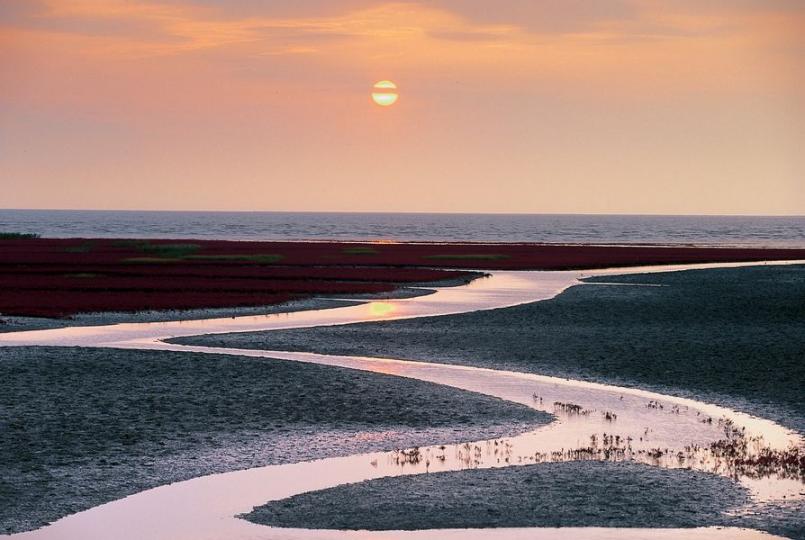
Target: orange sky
626 106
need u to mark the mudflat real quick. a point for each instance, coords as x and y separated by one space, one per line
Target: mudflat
85 426
732 336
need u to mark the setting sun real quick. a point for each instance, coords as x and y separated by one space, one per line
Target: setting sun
385 93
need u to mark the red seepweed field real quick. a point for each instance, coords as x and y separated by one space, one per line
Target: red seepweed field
62 277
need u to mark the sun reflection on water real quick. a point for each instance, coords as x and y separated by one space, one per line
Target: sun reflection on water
380 309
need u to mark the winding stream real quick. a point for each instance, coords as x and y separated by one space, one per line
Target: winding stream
593 421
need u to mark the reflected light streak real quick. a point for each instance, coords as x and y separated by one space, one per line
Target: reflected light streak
381 309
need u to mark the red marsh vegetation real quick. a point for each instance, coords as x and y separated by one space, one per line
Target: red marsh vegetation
62 277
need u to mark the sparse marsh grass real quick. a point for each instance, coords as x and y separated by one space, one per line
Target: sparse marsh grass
176 251
258 258
157 252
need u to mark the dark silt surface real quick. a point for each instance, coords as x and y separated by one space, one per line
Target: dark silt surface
730 336
582 494
573 494
80 427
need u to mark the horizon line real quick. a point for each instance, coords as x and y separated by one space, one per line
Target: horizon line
399 212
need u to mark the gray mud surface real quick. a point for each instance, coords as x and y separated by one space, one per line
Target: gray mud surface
580 494
729 336
18 324
80 427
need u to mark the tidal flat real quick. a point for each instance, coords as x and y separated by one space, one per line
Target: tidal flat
84 426
732 336
580 494
571 494
729 336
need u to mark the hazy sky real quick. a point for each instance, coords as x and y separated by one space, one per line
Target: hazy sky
623 106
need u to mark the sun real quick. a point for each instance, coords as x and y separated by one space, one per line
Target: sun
385 93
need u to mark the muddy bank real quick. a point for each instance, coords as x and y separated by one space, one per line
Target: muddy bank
729 336
583 494
85 426
18 323
578 494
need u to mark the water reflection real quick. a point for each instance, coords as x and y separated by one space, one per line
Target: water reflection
380 309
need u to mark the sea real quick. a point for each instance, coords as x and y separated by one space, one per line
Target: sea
755 231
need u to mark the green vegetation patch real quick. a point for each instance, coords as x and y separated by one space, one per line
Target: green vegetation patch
158 253
17 236
264 258
169 250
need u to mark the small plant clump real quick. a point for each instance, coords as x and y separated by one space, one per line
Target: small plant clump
571 408
17 236
411 456
609 416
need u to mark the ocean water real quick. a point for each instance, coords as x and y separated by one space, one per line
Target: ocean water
551 228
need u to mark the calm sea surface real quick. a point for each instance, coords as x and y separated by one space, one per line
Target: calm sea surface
732 230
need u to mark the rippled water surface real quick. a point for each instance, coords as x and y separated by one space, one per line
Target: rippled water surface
705 230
